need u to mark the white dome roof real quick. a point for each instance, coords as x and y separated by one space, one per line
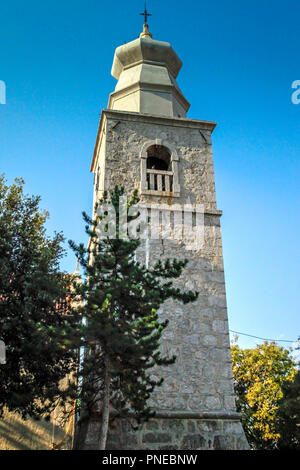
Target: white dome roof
146 70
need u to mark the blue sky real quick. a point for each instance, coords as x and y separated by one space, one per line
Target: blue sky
240 59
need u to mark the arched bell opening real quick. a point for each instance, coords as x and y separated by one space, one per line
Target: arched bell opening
159 169
158 158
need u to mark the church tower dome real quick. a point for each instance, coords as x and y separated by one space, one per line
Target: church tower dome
146 70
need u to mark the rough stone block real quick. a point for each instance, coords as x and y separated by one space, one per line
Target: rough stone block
193 442
156 437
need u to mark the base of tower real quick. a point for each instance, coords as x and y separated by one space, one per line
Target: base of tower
174 430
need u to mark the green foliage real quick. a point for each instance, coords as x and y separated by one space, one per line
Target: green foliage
123 330
260 375
289 415
32 326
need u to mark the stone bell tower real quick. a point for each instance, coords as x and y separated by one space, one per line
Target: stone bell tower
145 141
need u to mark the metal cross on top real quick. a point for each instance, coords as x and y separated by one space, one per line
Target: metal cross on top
145 14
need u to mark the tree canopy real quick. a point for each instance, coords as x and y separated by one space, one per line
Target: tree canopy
33 323
260 375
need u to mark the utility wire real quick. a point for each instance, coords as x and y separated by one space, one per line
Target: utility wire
265 339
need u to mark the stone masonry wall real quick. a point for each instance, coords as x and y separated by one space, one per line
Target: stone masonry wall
172 434
201 378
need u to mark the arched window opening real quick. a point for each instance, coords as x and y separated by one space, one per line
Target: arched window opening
159 175
159 169
158 158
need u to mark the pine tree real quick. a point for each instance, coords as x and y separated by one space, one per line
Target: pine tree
33 325
123 330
